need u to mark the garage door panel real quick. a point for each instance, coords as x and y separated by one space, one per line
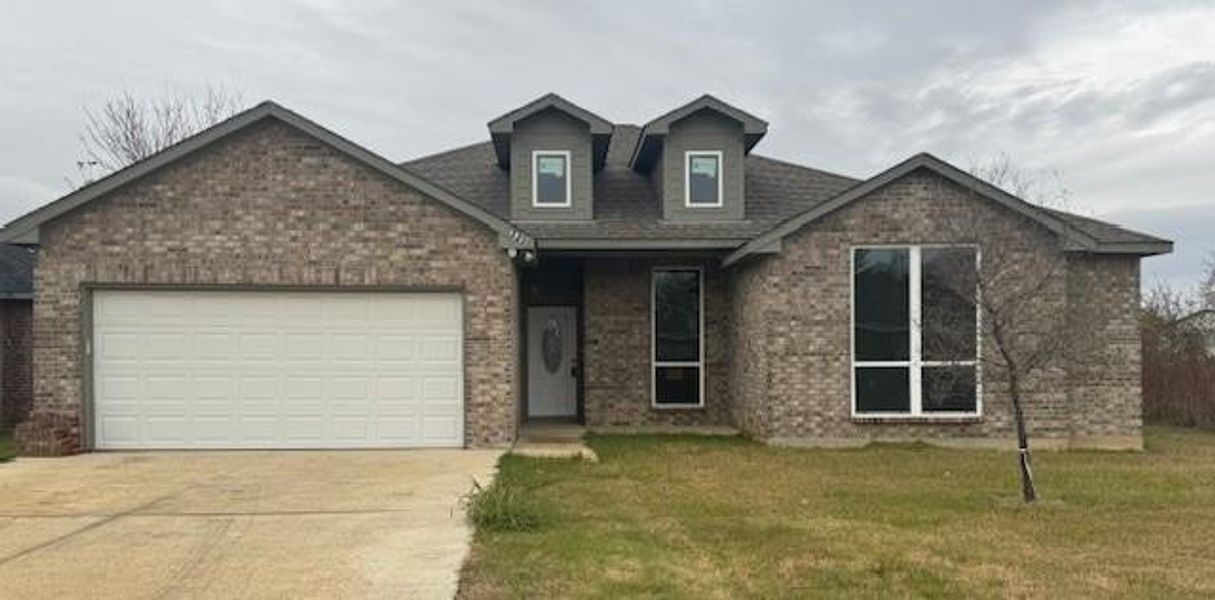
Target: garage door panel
263 370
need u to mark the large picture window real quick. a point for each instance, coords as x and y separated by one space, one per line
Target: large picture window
551 178
915 331
678 323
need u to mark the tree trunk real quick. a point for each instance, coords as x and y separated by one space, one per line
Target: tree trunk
1028 492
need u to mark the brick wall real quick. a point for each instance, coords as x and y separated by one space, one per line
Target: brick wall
792 365
16 340
1106 386
617 348
269 207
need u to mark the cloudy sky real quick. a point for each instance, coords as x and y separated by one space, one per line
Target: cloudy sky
1115 104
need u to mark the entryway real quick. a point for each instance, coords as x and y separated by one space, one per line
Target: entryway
552 362
552 351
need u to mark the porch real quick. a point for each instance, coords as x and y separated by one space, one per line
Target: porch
628 342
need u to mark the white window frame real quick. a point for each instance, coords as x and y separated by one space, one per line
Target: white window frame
569 178
654 362
915 362
687 178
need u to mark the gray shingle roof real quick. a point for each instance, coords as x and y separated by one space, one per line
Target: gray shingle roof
16 271
1103 231
626 207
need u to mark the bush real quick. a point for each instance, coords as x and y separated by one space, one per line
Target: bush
1178 372
501 507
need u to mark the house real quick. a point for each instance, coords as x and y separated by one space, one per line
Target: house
16 313
1201 323
270 284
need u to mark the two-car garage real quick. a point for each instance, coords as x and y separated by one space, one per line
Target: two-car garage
186 369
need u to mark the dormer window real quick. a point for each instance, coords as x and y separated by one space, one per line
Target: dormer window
551 178
703 179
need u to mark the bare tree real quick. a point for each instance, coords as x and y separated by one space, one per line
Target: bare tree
127 129
1206 289
1016 289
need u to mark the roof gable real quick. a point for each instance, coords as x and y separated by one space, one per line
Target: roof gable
1073 237
502 128
16 272
655 131
25 229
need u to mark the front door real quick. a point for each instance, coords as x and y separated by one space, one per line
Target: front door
552 361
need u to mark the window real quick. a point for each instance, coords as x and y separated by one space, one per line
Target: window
678 353
915 331
702 184
551 178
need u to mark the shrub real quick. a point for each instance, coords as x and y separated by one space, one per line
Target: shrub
502 507
1178 370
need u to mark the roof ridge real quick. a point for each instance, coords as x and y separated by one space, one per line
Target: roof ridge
1069 214
435 155
804 167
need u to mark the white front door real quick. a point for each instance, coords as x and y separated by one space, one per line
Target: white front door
552 354
252 369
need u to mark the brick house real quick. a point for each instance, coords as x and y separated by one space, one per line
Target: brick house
16 312
270 284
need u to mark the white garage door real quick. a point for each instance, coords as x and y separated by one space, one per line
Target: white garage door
201 369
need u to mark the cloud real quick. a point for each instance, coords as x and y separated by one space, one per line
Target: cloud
1191 228
19 196
1117 98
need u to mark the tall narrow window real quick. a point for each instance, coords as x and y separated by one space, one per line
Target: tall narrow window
703 181
915 332
678 347
551 178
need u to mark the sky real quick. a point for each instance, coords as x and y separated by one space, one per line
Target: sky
1112 103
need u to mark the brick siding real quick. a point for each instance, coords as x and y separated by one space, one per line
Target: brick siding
269 207
16 347
617 350
791 363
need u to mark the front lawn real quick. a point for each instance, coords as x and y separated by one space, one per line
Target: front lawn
7 448
673 516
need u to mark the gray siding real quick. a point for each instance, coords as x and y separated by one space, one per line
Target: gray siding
704 130
551 130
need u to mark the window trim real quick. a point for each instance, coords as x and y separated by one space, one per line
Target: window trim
915 362
569 178
654 362
687 178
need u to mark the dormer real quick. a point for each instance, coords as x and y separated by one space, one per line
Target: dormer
551 148
695 158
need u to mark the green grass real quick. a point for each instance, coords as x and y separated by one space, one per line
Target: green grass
7 449
688 517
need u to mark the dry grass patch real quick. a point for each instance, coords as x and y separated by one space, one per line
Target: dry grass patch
676 517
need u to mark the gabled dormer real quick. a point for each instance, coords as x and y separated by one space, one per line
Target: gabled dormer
552 148
695 158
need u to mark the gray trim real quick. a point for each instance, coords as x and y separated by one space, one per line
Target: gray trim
16 295
652 134
502 128
1073 240
637 244
506 123
24 229
1136 248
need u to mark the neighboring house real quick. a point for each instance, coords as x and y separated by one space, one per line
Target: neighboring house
270 284
16 303
1202 322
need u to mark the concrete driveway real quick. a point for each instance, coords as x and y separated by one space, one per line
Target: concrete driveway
292 524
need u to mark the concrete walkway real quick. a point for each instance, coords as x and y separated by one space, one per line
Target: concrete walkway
354 524
553 440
